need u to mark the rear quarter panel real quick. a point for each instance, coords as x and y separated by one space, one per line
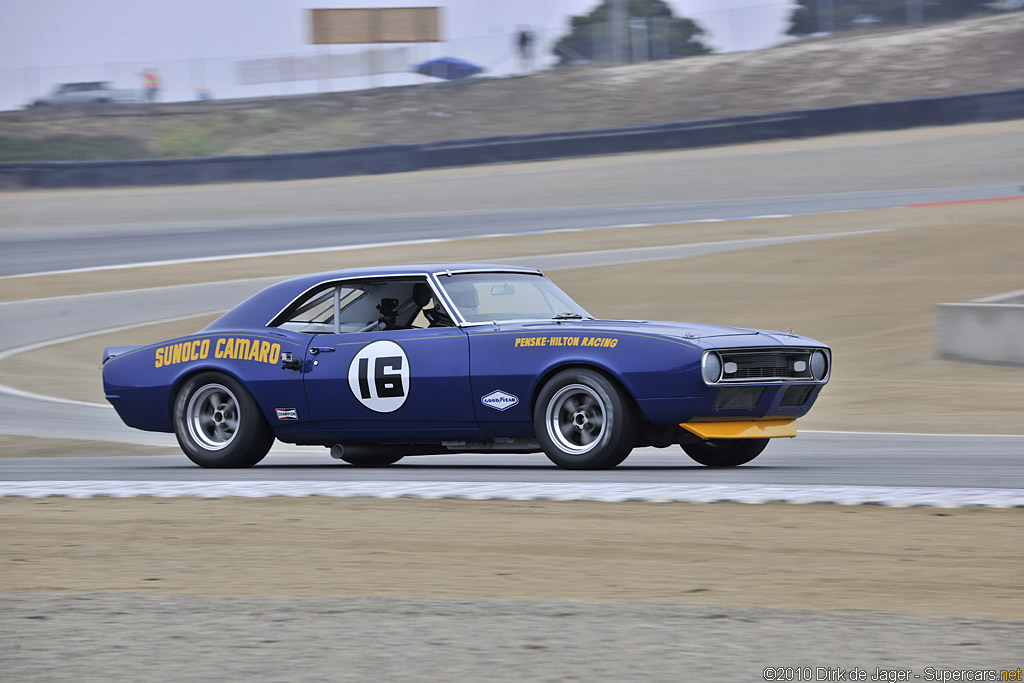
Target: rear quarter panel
141 384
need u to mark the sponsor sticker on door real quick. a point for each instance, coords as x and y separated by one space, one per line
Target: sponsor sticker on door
499 400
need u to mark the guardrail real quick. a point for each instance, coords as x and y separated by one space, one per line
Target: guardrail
989 330
932 111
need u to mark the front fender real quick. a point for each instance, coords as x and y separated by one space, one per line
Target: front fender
517 364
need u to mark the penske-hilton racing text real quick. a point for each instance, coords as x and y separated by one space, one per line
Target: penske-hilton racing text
604 342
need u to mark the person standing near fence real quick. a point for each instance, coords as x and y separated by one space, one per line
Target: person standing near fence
151 84
524 44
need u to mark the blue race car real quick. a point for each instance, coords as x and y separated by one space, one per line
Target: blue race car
383 363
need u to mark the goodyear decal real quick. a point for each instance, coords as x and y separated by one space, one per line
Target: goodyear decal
603 342
500 400
235 348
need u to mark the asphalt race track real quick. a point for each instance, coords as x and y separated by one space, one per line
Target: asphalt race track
42 249
47 231
820 459
813 458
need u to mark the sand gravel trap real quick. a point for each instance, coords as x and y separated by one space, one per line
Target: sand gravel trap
133 636
955 562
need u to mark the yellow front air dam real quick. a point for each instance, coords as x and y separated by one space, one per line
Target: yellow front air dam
742 429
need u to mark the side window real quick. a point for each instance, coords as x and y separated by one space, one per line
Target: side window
363 306
315 314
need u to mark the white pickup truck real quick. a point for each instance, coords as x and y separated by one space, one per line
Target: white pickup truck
94 92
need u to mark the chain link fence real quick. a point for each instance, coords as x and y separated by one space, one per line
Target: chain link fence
325 68
322 68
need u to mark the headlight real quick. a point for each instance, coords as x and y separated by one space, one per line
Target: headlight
819 365
712 367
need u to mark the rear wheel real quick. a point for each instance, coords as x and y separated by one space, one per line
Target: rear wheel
583 421
725 452
218 424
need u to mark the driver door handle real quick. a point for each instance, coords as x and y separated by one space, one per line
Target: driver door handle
318 349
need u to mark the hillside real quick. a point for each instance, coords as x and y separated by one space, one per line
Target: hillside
958 57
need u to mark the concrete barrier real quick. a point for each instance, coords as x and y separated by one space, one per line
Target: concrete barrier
989 330
931 111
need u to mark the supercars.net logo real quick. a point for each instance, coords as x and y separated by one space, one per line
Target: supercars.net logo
499 400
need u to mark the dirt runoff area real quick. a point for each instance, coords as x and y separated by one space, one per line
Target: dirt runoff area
869 66
360 589
941 563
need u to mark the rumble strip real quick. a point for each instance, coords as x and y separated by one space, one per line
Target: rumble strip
891 496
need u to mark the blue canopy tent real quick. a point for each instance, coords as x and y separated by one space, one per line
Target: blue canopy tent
448 68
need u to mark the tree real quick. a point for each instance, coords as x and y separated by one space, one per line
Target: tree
652 30
849 14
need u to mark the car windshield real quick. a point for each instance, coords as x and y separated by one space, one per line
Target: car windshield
483 297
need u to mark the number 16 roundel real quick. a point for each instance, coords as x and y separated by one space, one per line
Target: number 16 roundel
379 376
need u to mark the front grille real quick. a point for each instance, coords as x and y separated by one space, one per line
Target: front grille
765 365
761 373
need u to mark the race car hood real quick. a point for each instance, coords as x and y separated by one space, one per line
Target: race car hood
709 336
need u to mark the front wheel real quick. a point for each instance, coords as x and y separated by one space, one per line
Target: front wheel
218 424
583 421
725 452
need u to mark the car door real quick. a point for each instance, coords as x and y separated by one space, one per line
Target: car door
403 383
411 383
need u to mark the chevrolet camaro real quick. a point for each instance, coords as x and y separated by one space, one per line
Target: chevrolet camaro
382 363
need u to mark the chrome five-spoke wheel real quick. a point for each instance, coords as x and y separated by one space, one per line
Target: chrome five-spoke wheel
583 420
576 418
213 416
218 423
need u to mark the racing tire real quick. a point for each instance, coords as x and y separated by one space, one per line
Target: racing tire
371 460
218 424
584 421
725 452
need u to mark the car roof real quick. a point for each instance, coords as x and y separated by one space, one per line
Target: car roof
410 269
258 309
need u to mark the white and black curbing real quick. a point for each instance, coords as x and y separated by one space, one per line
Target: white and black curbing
891 496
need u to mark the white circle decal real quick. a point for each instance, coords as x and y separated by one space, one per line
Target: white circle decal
379 376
